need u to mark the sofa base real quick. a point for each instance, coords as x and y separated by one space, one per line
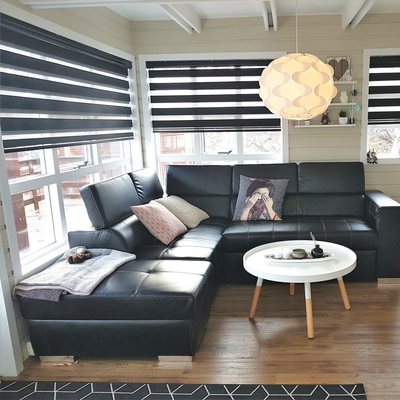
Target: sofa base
114 338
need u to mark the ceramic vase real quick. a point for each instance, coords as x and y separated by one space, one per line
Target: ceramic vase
343 97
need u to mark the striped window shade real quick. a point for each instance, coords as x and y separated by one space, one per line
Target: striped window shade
56 92
208 95
384 90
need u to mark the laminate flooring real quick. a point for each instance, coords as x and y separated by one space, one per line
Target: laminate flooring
361 345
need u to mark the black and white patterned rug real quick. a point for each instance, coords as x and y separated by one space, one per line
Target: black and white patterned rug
20 390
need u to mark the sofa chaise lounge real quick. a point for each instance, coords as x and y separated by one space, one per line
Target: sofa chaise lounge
159 304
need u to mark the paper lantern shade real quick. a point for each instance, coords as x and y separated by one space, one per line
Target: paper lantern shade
297 86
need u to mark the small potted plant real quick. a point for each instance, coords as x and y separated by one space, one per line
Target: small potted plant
342 117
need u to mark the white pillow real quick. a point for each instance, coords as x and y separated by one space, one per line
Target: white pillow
189 214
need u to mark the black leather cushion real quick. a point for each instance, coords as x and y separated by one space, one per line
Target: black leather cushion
205 186
199 243
331 177
147 184
270 171
349 205
141 289
108 202
350 232
331 189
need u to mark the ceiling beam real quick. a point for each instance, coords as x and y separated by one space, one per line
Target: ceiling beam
170 11
274 13
354 12
362 13
264 9
188 15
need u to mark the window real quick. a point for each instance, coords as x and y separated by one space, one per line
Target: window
206 109
382 115
66 122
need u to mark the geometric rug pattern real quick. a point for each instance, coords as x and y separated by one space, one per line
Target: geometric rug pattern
21 390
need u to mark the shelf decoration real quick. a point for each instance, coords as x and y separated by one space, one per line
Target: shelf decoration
341 68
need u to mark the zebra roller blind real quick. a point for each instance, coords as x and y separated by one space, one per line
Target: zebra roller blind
384 90
56 92
208 95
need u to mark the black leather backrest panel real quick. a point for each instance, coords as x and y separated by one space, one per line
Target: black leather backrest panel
206 186
108 202
270 171
147 184
324 205
331 177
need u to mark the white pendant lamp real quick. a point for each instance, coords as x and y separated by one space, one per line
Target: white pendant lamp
297 86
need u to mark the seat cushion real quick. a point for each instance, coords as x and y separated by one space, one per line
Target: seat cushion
199 243
350 232
141 289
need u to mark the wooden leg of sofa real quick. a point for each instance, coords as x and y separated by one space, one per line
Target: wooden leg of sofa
292 289
343 292
175 358
256 296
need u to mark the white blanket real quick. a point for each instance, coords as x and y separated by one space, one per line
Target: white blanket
78 279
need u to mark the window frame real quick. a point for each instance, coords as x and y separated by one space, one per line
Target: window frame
55 177
365 92
152 147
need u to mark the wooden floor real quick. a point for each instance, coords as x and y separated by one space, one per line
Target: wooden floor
361 345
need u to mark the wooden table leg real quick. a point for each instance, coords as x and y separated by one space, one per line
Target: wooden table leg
343 292
309 311
256 296
292 289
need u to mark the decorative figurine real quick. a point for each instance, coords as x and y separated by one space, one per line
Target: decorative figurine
325 118
371 157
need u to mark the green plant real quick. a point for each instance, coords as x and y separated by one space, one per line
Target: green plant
342 113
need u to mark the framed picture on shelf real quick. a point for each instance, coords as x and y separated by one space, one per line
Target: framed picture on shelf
341 68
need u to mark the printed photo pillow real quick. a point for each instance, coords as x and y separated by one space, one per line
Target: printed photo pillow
260 199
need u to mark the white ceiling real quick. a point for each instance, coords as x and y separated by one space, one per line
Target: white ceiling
235 9
189 14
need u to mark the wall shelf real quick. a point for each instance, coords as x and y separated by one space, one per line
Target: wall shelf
337 103
344 82
341 104
324 126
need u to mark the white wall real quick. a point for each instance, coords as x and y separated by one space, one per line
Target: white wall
319 35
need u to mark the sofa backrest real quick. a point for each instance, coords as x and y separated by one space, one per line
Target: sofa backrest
331 189
108 202
268 171
147 184
205 186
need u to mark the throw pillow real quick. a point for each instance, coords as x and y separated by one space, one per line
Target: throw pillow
260 199
160 222
189 214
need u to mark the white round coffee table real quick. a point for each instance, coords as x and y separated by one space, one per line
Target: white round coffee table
342 262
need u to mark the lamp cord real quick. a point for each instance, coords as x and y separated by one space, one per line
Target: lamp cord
297 33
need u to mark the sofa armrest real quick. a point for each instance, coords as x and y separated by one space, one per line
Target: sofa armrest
103 238
383 213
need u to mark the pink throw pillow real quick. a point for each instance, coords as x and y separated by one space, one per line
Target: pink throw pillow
159 221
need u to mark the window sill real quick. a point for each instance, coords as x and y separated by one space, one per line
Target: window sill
38 262
384 161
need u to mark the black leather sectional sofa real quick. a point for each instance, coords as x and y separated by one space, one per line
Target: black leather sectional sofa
159 304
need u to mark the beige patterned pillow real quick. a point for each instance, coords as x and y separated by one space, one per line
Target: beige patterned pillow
160 222
189 214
